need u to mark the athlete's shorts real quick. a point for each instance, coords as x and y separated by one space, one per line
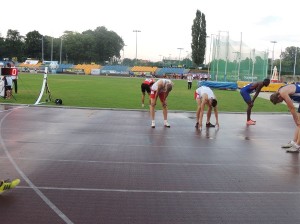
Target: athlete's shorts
196 95
160 95
246 96
145 88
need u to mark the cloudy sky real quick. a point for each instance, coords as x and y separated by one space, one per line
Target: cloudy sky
165 25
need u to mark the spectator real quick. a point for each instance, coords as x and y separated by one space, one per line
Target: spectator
189 80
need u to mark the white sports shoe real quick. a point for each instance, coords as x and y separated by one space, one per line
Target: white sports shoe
153 124
167 124
288 145
294 148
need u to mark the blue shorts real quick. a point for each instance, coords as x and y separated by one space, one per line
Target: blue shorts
246 95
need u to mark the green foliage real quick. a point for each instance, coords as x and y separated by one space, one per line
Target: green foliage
89 46
198 38
117 92
33 44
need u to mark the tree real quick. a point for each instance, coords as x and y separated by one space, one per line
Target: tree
288 61
2 47
198 38
14 44
33 45
108 44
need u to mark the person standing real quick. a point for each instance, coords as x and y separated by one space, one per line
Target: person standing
145 87
288 94
161 89
7 184
205 97
246 91
189 80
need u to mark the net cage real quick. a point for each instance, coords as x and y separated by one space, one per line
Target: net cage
232 61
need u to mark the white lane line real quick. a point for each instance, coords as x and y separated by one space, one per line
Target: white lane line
164 192
32 186
152 163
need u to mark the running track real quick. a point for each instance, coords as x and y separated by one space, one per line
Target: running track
109 166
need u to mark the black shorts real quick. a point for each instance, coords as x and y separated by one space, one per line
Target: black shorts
145 88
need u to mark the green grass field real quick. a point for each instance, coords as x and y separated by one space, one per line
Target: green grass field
125 93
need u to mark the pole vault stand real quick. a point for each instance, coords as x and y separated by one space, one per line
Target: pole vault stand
45 87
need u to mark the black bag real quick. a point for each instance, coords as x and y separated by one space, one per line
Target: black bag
58 102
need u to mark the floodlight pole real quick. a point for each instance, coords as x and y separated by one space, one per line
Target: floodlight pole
227 49
295 63
60 51
43 49
136 31
179 48
211 35
52 49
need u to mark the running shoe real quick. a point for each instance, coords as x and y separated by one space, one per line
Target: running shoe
250 122
288 145
153 124
7 185
167 125
197 125
294 148
210 125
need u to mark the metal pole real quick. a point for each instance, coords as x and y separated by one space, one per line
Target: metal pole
240 55
136 31
295 64
279 78
179 48
42 48
227 49
210 52
52 49
274 42
60 51
253 61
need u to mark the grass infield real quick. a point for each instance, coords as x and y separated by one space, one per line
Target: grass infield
123 93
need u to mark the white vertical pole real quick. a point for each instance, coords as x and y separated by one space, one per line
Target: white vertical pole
295 64
280 65
240 54
52 49
60 51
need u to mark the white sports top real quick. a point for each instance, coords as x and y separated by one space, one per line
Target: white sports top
204 89
165 82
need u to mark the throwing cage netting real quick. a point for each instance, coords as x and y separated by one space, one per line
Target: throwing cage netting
233 61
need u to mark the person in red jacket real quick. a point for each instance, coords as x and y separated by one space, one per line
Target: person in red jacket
146 87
